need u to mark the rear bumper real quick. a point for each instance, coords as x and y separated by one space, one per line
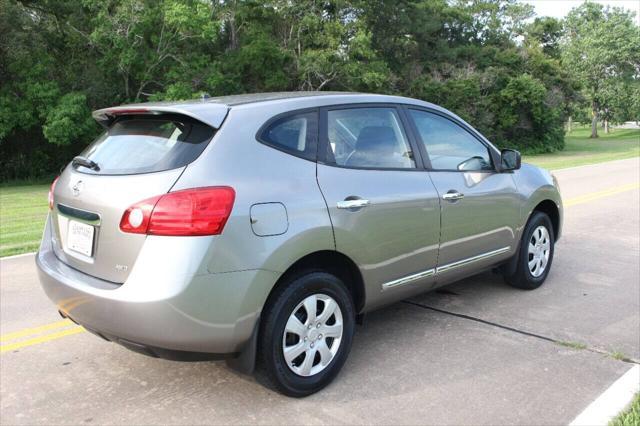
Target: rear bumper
160 315
155 352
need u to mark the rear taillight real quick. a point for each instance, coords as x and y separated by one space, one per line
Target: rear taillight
198 211
53 188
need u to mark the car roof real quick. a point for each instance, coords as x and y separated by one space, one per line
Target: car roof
249 98
213 110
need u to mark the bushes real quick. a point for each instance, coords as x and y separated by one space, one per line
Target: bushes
529 120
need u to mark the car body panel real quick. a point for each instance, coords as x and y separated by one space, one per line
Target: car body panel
258 182
114 252
207 293
536 185
484 221
169 300
395 236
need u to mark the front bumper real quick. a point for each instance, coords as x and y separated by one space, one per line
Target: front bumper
156 312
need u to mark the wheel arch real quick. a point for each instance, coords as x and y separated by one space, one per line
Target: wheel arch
550 208
547 206
330 261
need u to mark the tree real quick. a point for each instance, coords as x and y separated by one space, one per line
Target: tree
602 49
546 33
482 59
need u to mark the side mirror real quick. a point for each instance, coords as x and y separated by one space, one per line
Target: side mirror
510 159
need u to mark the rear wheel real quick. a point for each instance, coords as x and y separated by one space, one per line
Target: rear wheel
306 333
535 254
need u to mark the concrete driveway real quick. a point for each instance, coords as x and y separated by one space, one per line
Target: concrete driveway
476 352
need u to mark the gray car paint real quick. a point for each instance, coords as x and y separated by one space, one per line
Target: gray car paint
396 235
206 293
108 197
484 220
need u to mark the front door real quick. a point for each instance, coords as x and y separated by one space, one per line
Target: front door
384 210
479 205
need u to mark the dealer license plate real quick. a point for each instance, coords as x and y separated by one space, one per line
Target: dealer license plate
80 238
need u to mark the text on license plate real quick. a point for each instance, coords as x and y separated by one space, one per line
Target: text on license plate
80 238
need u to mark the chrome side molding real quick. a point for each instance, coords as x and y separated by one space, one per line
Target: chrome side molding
408 279
464 262
444 268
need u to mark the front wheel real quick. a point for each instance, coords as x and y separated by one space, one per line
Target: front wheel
535 254
306 334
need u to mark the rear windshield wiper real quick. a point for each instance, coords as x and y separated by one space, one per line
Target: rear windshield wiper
79 160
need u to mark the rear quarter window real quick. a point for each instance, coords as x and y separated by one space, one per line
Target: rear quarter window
141 144
295 134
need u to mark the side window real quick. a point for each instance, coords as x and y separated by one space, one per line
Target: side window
296 134
368 138
449 146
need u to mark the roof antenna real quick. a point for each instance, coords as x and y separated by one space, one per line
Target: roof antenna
204 96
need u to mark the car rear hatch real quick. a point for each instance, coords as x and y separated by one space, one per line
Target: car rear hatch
141 155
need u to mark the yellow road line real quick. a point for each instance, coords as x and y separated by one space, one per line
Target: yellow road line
600 194
47 337
35 330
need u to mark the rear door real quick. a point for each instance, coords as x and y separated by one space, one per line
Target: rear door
480 206
138 157
383 207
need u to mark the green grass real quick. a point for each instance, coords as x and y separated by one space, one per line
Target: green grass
630 417
23 210
580 150
619 356
574 345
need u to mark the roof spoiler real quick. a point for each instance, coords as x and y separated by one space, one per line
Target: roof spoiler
210 113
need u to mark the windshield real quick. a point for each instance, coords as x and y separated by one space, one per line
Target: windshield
136 144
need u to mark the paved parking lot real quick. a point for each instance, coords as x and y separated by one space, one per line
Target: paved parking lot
476 352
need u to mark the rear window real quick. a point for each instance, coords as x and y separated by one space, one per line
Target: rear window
134 145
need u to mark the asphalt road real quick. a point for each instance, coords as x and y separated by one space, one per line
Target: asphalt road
475 352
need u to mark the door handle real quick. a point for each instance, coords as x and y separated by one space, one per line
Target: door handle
353 204
453 195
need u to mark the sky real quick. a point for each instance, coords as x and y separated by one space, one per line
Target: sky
560 8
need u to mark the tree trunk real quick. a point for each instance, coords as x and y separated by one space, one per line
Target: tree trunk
594 120
234 41
606 126
569 125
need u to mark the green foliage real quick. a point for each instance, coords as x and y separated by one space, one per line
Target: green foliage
69 120
526 117
546 33
483 59
602 49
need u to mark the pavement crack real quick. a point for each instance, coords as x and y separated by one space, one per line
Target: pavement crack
523 332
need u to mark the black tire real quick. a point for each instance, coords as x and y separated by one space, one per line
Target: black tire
275 317
522 276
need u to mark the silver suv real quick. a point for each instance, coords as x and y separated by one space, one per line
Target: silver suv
260 228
